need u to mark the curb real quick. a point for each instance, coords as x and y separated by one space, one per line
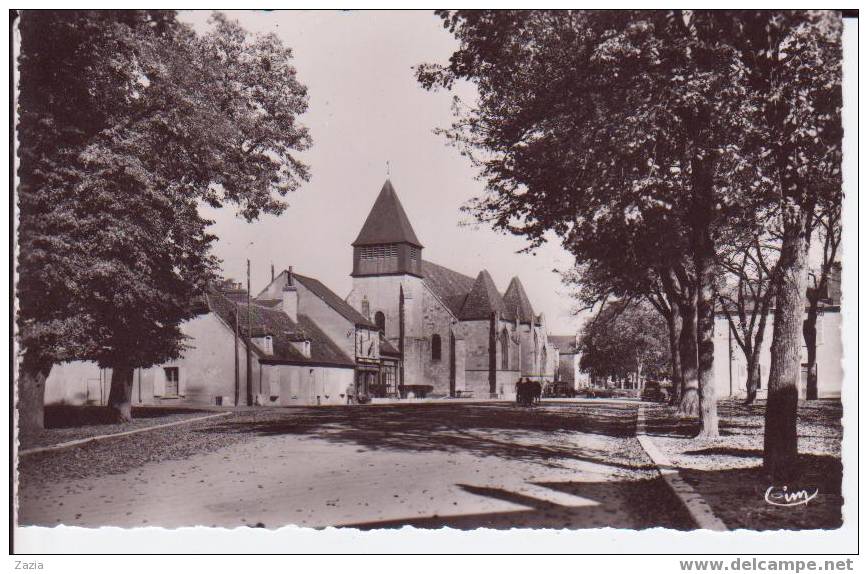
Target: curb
696 506
114 435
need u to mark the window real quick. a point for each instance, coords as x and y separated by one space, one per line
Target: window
504 350
379 252
380 321
172 376
414 254
366 308
435 348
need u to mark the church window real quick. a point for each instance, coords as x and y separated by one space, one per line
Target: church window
414 254
380 321
504 350
366 308
436 351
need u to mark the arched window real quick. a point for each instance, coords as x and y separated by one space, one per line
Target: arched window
435 348
504 350
366 308
380 321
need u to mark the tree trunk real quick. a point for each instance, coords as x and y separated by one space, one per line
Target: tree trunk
32 375
809 330
780 449
689 405
674 322
120 395
753 377
705 340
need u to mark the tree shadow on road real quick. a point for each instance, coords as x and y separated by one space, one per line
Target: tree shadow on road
542 435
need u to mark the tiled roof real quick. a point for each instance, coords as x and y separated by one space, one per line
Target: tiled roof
283 330
482 300
565 343
332 300
450 286
516 301
387 222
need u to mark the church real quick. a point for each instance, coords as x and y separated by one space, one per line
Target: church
456 335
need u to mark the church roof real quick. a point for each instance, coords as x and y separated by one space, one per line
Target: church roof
387 222
450 286
516 301
482 300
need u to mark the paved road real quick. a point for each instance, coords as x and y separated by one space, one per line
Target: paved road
569 465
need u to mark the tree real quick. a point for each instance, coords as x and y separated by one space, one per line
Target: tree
795 74
594 120
624 339
158 119
746 298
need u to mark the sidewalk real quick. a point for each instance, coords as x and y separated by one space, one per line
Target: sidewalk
727 472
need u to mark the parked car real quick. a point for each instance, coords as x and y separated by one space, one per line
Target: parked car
655 391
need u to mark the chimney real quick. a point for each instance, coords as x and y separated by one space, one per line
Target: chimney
290 296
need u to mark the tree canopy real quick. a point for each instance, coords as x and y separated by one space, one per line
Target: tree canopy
129 121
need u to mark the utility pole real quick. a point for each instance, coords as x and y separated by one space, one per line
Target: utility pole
237 362
249 335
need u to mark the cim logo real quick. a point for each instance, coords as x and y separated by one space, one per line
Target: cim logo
784 497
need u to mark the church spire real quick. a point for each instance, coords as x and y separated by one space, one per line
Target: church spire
387 222
387 244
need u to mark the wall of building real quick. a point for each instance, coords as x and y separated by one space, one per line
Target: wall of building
297 385
332 323
205 371
731 375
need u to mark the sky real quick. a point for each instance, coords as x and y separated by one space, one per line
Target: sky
366 109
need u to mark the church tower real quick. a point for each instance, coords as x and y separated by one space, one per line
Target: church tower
387 278
387 244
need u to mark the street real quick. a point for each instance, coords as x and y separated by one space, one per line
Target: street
464 465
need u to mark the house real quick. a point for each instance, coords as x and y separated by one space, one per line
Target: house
307 347
457 335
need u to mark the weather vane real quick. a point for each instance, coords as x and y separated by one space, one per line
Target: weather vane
388 169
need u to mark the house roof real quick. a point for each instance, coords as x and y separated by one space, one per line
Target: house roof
566 344
517 302
450 286
283 330
482 300
331 299
387 348
387 222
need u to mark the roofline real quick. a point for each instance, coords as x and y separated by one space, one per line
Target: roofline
386 274
358 243
295 363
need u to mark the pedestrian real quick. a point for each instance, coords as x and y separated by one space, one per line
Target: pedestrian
351 393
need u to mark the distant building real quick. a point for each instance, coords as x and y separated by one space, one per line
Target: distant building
569 357
730 365
456 335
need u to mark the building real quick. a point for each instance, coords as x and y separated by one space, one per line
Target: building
569 358
457 335
307 347
730 365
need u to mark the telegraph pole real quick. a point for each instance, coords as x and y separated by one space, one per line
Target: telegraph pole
249 335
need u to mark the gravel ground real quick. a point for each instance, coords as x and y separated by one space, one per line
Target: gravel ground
728 472
66 423
466 466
